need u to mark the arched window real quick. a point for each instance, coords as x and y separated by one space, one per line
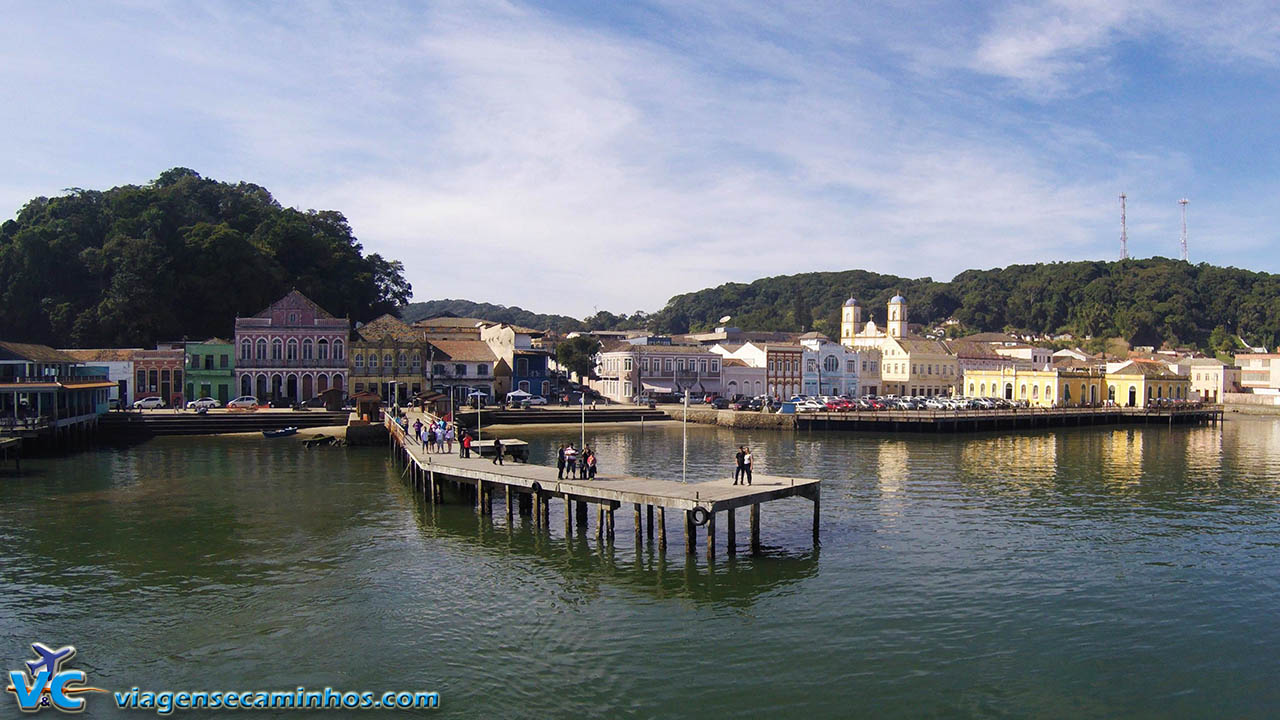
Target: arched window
417 362
308 349
1048 392
262 348
386 360
1111 393
337 349
970 389
830 364
1035 392
322 350
246 351
404 360
291 351
277 349
359 358
373 361
1024 392
982 389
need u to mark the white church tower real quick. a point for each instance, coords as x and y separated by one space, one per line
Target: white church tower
897 326
850 321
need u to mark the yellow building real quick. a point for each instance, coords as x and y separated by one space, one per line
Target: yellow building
1137 384
1074 387
909 364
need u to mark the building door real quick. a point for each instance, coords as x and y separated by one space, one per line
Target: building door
164 391
1133 396
122 387
223 392
1008 391
291 388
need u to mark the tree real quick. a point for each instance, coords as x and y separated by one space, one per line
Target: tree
578 355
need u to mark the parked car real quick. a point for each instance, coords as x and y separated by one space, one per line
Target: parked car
204 402
244 401
148 403
719 403
807 406
534 400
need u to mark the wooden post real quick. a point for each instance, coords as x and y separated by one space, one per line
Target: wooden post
568 518
582 513
431 485
662 529
507 488
479 496
817 509
650 526
608 513
755 528
639 523
690 533
730 541
546 512
537 510
711 536
599 521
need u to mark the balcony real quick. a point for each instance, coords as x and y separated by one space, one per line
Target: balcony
299 363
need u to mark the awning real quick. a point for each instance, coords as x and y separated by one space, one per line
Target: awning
651 387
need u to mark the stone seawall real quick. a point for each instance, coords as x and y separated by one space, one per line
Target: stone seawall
730 418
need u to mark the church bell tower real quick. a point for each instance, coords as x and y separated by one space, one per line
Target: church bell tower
897 316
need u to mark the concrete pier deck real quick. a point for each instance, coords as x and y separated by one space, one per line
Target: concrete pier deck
536 485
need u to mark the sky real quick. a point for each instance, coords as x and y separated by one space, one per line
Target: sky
573 156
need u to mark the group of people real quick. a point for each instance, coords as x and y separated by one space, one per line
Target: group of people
436 436
742 473
579 463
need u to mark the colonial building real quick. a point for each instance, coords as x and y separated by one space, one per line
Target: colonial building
739 378
459 368
1259 372
521 366
626 370
211 370
1077 387
830 368
159 373
451 328
1210 378
909 364
783 364
1136 383
391 359
292 350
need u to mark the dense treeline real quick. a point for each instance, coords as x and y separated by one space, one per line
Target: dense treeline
181 256
1147 302
602 320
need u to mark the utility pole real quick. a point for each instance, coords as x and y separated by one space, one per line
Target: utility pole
1124 230
1183 203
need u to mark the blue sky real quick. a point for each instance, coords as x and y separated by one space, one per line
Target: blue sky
578 155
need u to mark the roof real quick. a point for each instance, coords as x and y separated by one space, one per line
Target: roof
451 321
991 337
102 354
34 353
296 298
734 362
966 349
851 302
782 347
897 299
922 345
1149 370
387 327
814 335
464 350
211 341
658 349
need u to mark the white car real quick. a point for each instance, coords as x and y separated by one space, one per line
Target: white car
805 406
204 402
148 403
534 400
244 401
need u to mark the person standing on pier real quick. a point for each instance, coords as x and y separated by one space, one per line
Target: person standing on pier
497 452
464 447
417 429
746 463
591 463
448 439
571 460
738 469
560 463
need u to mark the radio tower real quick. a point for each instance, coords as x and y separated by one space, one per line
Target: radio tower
1183 203
1124 232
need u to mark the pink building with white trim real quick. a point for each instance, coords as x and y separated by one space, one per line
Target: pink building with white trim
292 350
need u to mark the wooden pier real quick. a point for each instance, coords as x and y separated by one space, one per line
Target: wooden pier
533 488
12 448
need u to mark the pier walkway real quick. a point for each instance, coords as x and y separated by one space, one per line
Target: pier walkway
534 487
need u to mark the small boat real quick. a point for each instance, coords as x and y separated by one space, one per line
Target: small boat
282 432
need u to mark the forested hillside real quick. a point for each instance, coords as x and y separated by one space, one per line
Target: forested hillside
497 313
1149 302
181 256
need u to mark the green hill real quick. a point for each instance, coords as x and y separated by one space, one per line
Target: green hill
181 256
498 313
1148 302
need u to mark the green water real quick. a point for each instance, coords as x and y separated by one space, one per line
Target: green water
1079 573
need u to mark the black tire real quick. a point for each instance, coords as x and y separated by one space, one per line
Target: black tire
700 516
536 487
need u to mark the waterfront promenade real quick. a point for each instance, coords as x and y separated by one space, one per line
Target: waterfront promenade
534 487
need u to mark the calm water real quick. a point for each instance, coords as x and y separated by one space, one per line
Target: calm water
1079 573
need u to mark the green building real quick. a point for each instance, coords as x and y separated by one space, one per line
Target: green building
211 370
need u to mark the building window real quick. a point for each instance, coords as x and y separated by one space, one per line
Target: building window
667 364
359 360
715 366
224 360
386 361
246 349
460 370
404 361
322 350
277 349
208 361
293 318
830 364
262 348
417 362
292 349
626 364
308 349
373 361
482 369
337 349
359 387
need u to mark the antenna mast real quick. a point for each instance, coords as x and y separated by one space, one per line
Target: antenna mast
1183 203
1124 231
